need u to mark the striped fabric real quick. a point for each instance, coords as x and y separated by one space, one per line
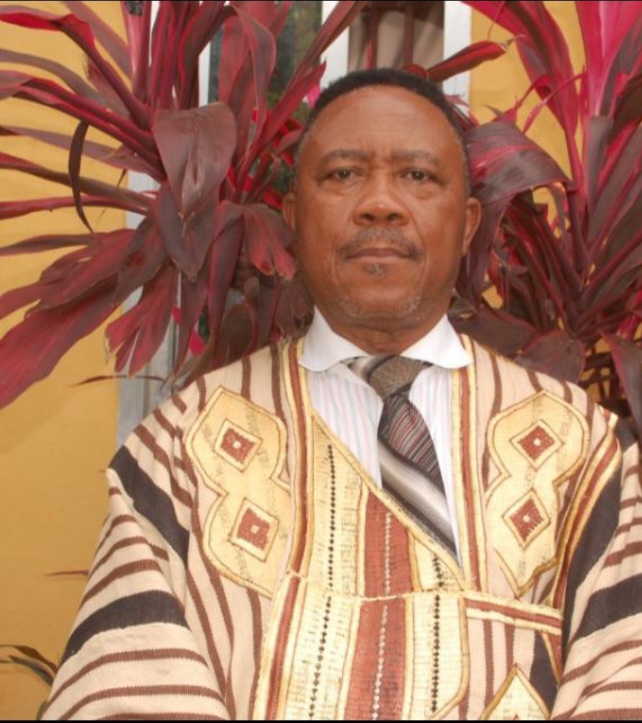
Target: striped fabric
409 466
249 566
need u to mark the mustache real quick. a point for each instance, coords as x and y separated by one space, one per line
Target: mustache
380 236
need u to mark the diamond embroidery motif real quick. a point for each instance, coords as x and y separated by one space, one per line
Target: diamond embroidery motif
254 530
537 444
527 519
236 445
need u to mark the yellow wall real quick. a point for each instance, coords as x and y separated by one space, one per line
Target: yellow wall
55 440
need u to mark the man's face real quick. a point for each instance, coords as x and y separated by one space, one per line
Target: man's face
381 214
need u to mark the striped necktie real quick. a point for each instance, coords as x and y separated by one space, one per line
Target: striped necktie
407 456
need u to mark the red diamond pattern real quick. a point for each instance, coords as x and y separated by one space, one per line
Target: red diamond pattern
254 530
536 442
527 519
236 445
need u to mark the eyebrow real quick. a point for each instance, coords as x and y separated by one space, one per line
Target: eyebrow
353 154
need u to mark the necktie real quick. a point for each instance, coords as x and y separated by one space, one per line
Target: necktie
407 457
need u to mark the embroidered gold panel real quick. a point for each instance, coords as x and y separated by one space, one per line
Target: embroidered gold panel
337 650
537 445
239 449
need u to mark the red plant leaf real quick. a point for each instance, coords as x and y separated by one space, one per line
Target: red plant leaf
627 357
498 330
201 28
75 158
466 59
14 209
47 242
193 297
132 199
248 57
75 82
141 330
15 299
269 241
222 261
505 162
235 336
145 256
79 273
556 354
30 350
104 34
187 243
137 28
196 147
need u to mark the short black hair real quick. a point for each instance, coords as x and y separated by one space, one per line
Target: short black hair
393 77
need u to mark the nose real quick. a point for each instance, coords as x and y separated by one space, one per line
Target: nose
380 202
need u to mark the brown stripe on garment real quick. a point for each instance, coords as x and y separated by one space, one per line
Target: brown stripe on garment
488 659
179 403
628 526
246 377
544 671
469 488
275 356
568 394
386 558
202 393
127 656
495 409
151 501
164 716
217 586
377 677
278 660
128 542
600 686
257 630
160 455
300 494
615 558
204 621
512 612
128 611
594 532
119 520
610 605
534 380
165 424
575 673
118 573
193 691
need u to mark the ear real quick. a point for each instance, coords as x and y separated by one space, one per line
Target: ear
473 215
287 209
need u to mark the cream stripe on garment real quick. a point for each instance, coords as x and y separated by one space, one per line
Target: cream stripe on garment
352 409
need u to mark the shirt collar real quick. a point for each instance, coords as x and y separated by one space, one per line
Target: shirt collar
324 348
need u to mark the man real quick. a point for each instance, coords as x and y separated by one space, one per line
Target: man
260 559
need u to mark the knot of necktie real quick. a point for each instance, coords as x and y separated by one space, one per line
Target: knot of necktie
388 374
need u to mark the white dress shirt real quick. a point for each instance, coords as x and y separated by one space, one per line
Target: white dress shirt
352 409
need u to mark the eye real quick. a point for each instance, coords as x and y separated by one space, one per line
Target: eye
419 175
342 174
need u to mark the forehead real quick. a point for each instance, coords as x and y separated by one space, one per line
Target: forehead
379 119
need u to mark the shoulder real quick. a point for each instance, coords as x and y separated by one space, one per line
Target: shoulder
506 384
254 377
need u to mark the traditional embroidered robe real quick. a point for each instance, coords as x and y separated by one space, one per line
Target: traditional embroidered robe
250 568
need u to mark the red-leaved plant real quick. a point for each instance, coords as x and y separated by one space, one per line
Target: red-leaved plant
207 228
211 225
568 272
